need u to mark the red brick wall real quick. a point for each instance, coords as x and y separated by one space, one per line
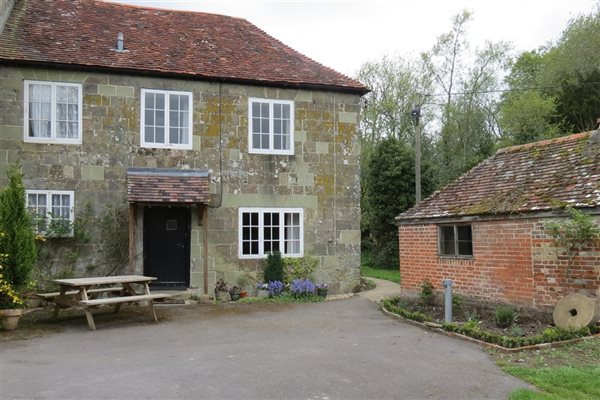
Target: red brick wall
513 261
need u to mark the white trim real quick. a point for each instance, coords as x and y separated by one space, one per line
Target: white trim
52 138
166 144
270 150
49 194
261 211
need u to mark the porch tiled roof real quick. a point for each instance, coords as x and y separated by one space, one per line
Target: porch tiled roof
83 33
529 178
155 185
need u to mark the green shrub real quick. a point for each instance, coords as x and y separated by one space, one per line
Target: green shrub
427 294
505 316
299 268
18 241
273 268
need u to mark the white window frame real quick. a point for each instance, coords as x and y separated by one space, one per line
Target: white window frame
261 211
166 144
270 150
49 194
53 123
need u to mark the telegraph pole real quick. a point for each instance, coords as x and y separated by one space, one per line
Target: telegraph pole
416 115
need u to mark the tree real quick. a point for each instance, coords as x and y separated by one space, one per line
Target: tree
18 241
469 114
389 190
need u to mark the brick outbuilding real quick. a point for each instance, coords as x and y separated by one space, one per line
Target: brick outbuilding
487 230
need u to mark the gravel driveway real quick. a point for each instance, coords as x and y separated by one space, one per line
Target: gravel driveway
343 349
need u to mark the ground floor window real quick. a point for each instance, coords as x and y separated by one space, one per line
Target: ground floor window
455 241
51 211
264 230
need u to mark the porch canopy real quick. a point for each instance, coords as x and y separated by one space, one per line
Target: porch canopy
165 185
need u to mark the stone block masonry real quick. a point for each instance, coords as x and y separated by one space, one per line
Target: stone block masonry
513 261
321 177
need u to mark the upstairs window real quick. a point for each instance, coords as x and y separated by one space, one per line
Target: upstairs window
262 231
52 112
166 119
455 241
51 211
271 126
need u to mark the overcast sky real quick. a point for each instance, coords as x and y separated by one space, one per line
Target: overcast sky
343 34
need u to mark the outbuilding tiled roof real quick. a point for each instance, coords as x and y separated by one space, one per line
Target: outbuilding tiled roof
83 33
533 177
157 185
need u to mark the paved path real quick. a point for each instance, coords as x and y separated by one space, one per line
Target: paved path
344 349
384 289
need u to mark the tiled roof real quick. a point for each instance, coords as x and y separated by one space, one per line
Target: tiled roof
155 185
529 178
83 33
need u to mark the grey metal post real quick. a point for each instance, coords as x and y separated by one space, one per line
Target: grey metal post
448 300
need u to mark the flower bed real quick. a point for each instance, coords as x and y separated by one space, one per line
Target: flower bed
478 322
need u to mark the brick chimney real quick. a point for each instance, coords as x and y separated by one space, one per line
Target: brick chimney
5 8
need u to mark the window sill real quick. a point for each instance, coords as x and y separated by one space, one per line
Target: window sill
51 140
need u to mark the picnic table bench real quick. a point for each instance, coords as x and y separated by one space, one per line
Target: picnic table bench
83 292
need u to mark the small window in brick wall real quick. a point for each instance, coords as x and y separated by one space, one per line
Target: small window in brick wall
455 241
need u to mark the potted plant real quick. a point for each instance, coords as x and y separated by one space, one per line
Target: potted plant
243 283
234 292
262 289
11 304
322 289
222 291
17 247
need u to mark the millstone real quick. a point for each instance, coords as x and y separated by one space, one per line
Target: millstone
576 311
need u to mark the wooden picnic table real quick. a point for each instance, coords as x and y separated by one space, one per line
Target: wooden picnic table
80 292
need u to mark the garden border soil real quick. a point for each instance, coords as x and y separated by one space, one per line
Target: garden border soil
438 328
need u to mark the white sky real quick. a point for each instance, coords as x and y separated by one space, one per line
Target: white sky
343 34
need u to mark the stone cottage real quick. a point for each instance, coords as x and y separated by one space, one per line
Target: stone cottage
487 231
223 143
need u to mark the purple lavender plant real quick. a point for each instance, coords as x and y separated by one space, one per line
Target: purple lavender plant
275 288
302 287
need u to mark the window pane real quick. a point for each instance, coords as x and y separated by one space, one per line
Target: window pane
447 240
159 101
465 248
40 97
464 232
149 117
256 110
160 135
277 111
149 134
286 111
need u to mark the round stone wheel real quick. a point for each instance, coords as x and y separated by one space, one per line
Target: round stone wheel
576 311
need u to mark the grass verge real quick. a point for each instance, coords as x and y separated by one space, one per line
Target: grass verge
569 372
387 274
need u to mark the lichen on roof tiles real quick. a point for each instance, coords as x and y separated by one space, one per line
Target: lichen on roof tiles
532 177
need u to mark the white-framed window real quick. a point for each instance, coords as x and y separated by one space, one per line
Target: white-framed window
51 211
270 126
166 119
52 112
264 230
455 241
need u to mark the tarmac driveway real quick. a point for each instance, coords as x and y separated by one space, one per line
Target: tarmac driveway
343 349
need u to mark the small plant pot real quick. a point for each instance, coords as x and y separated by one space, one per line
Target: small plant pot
10 318
322 292
243 294
222 296
235 296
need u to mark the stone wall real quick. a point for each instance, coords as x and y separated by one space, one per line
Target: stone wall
322 176
513 261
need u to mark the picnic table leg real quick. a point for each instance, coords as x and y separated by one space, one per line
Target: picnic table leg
151 302
90 318
57 307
